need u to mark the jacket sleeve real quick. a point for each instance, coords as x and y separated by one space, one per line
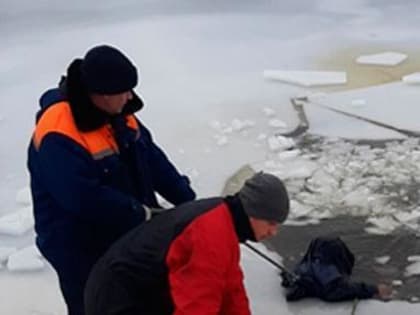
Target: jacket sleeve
71 178
344 290
168 182
199 265
236 301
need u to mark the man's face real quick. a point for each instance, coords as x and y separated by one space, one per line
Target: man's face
112 104
263 229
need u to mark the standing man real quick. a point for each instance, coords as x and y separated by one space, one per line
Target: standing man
186 260
94 167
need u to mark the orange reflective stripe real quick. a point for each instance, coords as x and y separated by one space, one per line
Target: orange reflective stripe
58 118
132 123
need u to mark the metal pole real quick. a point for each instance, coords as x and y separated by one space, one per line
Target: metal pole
271 261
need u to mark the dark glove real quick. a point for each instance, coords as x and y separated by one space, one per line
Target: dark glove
153 212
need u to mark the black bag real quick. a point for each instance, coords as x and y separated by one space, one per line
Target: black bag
324 272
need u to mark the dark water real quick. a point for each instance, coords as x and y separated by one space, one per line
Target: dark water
292 241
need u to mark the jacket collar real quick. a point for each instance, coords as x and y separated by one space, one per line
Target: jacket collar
240 219
86 115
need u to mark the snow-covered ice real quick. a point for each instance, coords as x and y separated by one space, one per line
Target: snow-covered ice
388 58
357 103
280 143
307 78
277 123
387 104
5 252
215 52
23 196
17 223
26 259
269 112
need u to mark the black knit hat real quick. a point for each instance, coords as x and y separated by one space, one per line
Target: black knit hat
264 196
106 70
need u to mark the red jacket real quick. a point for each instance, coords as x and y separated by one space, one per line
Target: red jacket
204 272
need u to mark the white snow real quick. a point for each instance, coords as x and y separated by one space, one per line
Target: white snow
23 196
5 252
307 78
359 102
280 143
221 140
290 154
17 223
26 259
268 111
413 78
388 58
277 123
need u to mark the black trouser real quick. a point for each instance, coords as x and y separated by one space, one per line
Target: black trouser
72 289
73 271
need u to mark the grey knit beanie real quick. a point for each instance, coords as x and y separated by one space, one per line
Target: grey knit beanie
264 196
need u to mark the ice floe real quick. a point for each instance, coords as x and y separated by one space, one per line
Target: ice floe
307 78
413 78
388 58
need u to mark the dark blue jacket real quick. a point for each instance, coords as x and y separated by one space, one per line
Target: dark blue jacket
324 272
82 203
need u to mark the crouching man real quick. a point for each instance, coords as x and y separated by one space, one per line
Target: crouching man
186 260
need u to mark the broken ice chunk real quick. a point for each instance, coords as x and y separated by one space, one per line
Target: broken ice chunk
289 154
413 269
17 223
413 78
24 196
5 252
221 140
27 259
307 78
277 123
382 260
397 283
268 111
414 258
278 143
388 58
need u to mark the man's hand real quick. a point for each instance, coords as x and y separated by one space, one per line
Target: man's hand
384 292
152 212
